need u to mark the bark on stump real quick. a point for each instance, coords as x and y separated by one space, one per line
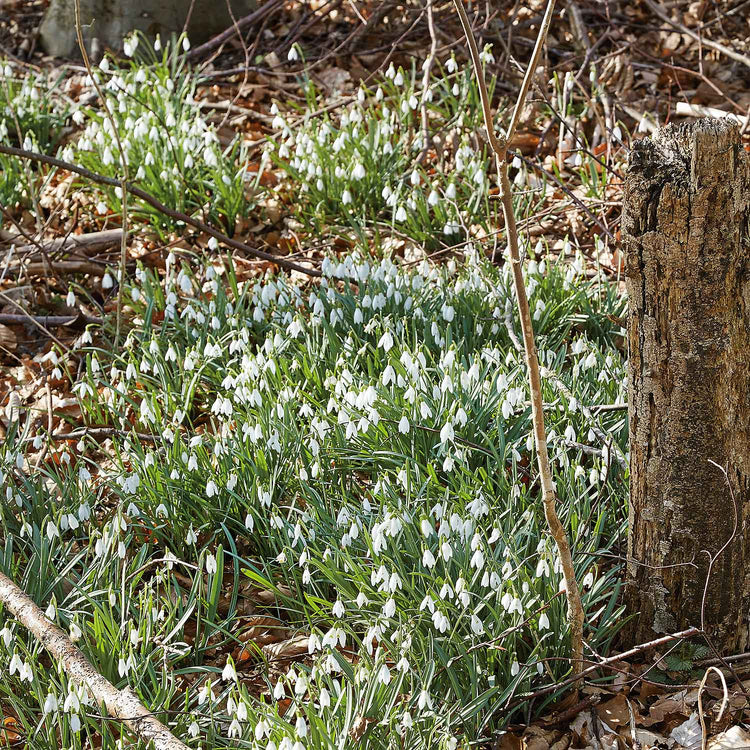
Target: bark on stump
685 232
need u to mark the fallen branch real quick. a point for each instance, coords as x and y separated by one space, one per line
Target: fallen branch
42 268
69 321
86 243
121 704
158 205
698 110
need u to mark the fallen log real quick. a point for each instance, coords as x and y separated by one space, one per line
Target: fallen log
123 705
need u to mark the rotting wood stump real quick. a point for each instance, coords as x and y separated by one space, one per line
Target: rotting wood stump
685 233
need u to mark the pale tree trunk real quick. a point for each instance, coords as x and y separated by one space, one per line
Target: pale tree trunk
685 233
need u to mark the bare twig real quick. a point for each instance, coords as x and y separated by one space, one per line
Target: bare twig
119 703
159 206
499 146
724 702
123 165
427 72
86 243
730 53
604 663
234 29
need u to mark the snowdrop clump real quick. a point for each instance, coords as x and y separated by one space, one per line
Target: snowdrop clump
170 150
359 460
365 168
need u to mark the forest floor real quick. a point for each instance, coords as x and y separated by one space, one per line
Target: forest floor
280 480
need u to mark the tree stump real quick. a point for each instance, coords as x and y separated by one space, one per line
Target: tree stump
685 232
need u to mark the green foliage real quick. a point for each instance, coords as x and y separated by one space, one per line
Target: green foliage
363 457
171 151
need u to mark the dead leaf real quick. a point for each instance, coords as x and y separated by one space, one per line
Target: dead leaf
734 738
334 79
616 713
288 649
8 338
688 734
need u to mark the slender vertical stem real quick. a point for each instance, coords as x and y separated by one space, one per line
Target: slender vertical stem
549 497
123 163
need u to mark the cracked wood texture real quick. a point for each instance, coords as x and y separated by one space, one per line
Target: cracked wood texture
685 233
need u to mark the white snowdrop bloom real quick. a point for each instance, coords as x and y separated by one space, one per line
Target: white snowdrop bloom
386 342
450 65
75 632
6 636
588 580
210 564
399 78
229 673
338 608
50 704
476 625
515 668
428 559
361 599
52 530
129 45
359 171
617 132
346 197
415 178
300 726
450 191
456 90
403 425
400 214
447 433
389 609
384 675
185 43
543 621
448 312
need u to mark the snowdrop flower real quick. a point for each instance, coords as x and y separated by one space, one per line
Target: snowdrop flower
424 700
50 704
399 79
384 674
400 214
229 673
359 171
450 65
476 625
338 609
210 564
543 621
386 342
403 426
515 668
346 197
